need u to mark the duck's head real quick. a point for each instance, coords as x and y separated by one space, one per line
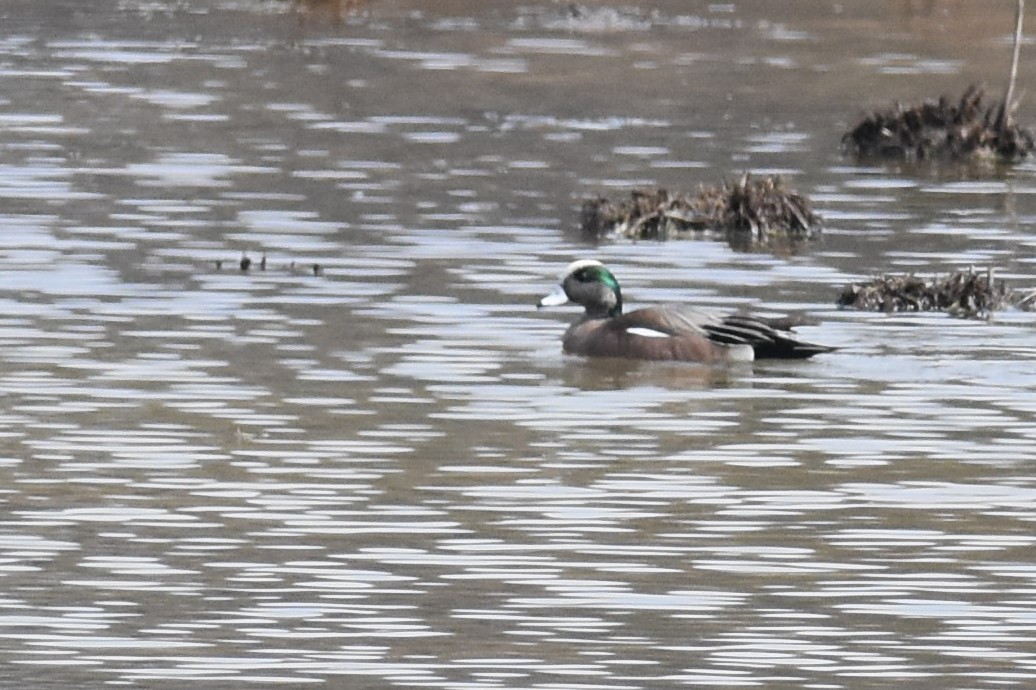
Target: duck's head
590 284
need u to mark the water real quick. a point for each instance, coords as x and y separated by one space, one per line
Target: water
367 464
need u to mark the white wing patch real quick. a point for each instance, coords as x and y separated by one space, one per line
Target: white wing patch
647 332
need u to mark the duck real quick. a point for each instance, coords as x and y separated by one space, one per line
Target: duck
671 332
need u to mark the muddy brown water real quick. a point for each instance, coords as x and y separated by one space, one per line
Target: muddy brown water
383 473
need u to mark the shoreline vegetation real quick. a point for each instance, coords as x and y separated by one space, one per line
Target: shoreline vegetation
968 293
750 210
942 130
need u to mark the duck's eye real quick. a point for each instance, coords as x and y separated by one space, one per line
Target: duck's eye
582 275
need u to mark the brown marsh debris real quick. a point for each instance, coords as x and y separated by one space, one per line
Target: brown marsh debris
748 211
961 293
942 130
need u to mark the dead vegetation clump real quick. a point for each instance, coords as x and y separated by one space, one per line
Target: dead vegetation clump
942 130
748 211
961 293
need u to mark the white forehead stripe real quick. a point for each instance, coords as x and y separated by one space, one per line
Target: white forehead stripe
576 265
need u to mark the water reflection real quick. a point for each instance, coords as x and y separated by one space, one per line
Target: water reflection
385 472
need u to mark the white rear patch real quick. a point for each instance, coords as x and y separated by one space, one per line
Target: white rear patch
741 353
647 332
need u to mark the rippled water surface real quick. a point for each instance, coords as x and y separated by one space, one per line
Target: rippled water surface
364 462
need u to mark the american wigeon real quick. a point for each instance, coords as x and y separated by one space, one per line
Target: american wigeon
665 332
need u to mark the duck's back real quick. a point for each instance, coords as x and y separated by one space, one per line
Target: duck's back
677 332
668 332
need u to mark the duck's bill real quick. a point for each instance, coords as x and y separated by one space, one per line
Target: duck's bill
554 299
